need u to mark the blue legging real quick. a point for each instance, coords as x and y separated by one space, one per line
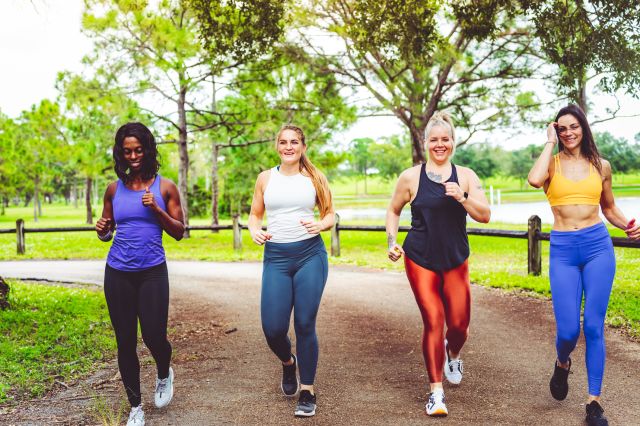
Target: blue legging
293 277
580 262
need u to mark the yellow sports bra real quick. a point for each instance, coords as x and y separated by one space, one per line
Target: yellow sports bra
563 191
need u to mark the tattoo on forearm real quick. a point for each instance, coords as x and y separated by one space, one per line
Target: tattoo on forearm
434 176
391 240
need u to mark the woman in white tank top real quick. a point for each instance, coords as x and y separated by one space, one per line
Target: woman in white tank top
295 267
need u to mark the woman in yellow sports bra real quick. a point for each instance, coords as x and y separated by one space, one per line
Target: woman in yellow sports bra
577 182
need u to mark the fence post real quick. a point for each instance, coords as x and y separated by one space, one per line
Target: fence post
20 244
237 236
335 237
534 250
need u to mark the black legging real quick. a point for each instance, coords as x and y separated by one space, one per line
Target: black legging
144 295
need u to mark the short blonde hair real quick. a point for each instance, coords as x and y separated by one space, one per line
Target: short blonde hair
441 118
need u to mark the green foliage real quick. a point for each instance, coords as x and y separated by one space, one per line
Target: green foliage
589 38
480 158
239 30
389 156
623 156
416 57
51 333
522 160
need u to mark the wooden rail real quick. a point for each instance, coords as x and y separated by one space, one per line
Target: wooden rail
533 235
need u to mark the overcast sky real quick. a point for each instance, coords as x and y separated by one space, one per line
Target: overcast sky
42 37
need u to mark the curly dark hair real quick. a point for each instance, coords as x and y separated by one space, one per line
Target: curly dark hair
150 162
588 146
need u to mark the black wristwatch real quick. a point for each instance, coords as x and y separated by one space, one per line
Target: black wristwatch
466 195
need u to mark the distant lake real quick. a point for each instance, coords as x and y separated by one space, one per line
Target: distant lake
508 213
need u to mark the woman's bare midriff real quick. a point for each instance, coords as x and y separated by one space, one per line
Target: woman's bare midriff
575 216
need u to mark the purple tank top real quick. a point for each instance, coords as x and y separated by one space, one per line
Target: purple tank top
137 244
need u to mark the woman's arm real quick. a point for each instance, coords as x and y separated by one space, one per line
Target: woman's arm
105 225
539 173
401 196
609 209
172 220
476 203
257 211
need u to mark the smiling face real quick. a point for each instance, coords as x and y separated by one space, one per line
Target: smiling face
569 131
290 147
439 144
133 153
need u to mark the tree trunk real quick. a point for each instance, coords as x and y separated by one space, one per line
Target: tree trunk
417 144
36 197
75 192
183 173
87 201
581 92
215 150
4 294
214 183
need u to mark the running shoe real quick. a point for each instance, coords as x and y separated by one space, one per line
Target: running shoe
164 390
595 416
435 405
559 385
290 383
453 368
306 406
136 416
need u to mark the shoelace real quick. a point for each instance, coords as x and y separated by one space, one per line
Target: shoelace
457 363
161 386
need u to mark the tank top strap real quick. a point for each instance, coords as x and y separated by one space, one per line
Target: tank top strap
454 174
156 183
556 161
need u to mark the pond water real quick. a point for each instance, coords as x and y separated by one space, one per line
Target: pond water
508 213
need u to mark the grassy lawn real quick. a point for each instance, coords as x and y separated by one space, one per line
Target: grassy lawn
50 333
495 262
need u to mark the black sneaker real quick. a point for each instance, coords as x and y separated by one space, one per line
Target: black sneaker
306 404
290 382
595 416
559 385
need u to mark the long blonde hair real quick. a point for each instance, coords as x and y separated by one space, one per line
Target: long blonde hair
320 183
441 118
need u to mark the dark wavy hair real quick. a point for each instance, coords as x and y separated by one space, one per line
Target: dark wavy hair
588 146
150 162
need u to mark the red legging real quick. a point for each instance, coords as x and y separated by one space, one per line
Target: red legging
441 296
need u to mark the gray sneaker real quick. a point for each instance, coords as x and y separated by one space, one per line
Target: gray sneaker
164 390
306 404
136 416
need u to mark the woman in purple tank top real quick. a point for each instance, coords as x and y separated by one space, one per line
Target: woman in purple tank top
139 206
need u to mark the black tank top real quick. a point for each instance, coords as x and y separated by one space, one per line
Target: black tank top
437 239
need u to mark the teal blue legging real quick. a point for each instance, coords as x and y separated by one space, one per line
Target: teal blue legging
582 262
293 278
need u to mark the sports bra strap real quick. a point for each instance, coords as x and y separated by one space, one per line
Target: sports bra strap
556 159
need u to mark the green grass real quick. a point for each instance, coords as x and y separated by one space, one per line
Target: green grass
495 262
50 333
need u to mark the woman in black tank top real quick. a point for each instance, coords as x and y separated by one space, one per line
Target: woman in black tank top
436 251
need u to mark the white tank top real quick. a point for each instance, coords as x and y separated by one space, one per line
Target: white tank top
288 199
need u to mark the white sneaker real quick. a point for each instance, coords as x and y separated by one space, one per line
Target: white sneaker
435 405
136 416
453 368
164 390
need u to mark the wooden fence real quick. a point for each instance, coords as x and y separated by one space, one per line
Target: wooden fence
533 235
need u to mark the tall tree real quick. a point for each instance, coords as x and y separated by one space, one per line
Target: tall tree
160 50
94 110
589 40
415 57
40 148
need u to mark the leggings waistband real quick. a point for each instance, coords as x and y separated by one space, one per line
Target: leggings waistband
296 249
